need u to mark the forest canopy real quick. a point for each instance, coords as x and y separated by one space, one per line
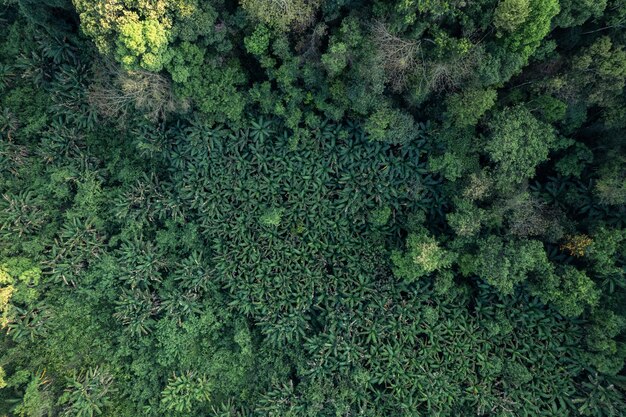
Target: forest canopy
303 208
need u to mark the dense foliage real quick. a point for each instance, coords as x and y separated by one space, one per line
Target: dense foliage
312 208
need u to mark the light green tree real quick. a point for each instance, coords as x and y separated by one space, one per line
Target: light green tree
510 14
282 14
423 256
517 144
